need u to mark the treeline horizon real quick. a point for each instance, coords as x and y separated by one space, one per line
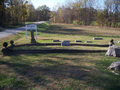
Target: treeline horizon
78 12
89 12
17 12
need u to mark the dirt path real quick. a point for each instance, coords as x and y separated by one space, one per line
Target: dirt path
9 32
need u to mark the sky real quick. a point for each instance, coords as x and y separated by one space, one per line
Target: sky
53 3
49 3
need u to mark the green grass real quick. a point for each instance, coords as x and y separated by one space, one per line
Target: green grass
60 71
29 22
16 26
63 47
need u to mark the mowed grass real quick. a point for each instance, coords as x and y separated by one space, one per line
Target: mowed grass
60 71
20 25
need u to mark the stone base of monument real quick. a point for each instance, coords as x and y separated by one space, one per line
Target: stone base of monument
33 41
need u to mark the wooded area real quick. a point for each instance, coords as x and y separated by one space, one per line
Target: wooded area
16 12
89 12
79 12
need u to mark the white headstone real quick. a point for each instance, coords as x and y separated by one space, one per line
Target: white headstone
31 27
28 27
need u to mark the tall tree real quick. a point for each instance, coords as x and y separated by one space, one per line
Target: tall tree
30 12
2 11
44 12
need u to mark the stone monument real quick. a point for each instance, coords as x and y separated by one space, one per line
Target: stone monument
32 28
115 66
33 41
5 50
12 45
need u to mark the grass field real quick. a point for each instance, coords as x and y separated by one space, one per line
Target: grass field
60 71
20 25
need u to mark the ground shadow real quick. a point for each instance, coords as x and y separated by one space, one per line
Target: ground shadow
58 29
37 74
40 75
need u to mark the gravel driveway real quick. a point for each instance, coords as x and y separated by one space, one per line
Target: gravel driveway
9 32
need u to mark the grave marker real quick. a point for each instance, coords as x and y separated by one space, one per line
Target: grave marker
88 41
78 41
64 43
66 40
56 41
31 27
97 38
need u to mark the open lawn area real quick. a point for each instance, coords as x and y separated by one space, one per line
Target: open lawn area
60 71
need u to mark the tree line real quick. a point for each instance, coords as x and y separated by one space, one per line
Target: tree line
16 12
89 12
79 12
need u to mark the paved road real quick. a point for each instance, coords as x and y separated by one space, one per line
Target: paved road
9 32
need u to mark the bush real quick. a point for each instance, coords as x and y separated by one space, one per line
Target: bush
75 22
81 23
93 23
96 24
118 26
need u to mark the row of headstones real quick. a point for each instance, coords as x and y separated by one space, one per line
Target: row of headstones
67 42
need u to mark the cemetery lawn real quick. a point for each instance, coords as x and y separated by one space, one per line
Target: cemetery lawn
16 26
60 71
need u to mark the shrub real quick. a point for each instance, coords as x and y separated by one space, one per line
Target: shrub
118 26
93 23
75 22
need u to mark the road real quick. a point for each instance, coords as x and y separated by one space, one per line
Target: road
9 32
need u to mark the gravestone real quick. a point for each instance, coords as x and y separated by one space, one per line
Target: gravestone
56 41
115 66
113 51
118 41
97 38
78 41
5 50
12 45
32 28
33 41
88 41
66 40
65 43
